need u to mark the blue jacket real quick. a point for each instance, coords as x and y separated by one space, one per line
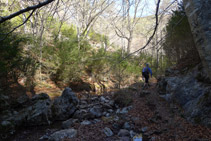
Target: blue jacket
147 69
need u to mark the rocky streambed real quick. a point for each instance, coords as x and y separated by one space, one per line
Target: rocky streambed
69 111
97 118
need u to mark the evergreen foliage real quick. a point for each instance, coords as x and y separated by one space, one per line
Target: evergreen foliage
62 56
14 60
179 45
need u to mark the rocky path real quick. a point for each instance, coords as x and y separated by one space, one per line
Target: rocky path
165 121
149 116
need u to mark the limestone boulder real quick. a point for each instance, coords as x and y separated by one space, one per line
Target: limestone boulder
64 106
192 91
63 134
199 17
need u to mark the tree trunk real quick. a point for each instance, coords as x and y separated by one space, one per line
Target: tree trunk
129 45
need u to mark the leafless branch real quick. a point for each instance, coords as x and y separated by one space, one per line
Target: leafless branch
151 37
162 39
149 40
121 36
5 18
94 18
165 10
18 25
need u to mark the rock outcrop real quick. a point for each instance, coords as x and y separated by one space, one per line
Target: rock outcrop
39 110
65 105
36 112
39 113
93 109
199 16
63 134
192 91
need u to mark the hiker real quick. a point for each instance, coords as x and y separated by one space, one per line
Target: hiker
145 73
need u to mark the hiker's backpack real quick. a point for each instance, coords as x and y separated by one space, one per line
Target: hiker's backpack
146 71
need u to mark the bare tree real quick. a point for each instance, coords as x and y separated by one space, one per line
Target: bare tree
39 23
132 11
85 14
30 8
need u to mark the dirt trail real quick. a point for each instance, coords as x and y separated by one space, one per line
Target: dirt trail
162 121
166 121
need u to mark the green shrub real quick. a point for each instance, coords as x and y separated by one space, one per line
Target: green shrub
14 61
179 45
123 98
65 58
